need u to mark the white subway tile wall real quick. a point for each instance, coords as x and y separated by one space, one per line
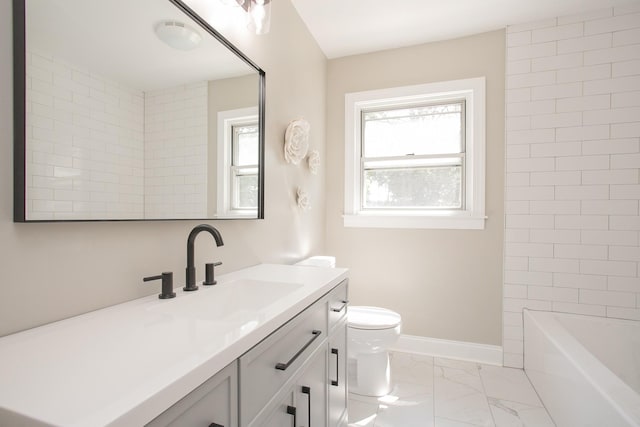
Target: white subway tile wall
175 147
84 143
99 150
572 195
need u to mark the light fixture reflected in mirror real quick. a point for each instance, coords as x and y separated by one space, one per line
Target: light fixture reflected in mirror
178 35
258 14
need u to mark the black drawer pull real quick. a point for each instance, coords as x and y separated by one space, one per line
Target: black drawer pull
291 410
284 366
215 425
335 351
339 309
307 390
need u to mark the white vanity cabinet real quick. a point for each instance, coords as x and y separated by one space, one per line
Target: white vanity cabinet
296 376
212 404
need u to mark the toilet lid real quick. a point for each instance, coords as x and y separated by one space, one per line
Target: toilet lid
362 317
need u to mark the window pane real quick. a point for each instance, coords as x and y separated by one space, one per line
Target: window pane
418 188
247 186
246 145
433 129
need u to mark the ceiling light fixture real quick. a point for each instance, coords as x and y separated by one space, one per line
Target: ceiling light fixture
259 14
178 35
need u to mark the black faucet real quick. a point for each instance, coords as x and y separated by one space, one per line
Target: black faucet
191 269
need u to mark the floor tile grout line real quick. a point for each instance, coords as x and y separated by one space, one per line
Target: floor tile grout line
539 398
484 391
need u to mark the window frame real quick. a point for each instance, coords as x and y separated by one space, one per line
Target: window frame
472 215
227 120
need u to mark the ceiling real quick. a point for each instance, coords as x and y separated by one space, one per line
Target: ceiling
97 36
349 27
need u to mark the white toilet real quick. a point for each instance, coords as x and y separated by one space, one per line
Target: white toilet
371 331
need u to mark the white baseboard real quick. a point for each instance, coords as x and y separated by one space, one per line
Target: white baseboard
482 353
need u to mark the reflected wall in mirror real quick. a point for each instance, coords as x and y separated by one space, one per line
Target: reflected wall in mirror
134 110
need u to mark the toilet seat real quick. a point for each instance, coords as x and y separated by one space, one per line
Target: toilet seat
372 318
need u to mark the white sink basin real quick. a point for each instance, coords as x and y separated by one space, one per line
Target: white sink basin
226 301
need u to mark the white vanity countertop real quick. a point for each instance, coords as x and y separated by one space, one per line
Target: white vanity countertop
124 365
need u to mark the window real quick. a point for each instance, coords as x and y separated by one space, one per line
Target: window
244 166
237 164
415 156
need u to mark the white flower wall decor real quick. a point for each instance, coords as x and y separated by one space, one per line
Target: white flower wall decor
303 200
314 161
296 141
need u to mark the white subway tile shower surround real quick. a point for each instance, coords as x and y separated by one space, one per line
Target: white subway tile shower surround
97 149
175 144
85 143
573 159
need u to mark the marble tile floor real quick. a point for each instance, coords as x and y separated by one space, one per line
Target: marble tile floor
431 391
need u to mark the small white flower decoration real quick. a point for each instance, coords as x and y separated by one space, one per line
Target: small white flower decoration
296 141
314 161
303 199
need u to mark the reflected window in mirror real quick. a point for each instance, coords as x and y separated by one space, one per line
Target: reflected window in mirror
238 153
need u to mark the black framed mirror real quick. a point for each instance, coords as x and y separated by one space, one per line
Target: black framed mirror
133 110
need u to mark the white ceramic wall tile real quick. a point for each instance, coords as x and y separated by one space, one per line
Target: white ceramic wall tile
176 174
74 131
628 284
627 19
573 180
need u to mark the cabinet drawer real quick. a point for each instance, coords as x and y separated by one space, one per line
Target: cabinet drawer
212 403
338 301
266 367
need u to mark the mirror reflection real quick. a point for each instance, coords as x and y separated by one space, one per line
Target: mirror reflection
134 111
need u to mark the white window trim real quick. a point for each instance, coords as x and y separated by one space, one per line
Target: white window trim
226 120
473 216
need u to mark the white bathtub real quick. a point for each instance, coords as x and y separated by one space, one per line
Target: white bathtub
586 369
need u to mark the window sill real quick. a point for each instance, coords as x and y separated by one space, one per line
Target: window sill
454 222
235 215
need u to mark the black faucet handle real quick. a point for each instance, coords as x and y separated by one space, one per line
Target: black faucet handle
167 284
209 273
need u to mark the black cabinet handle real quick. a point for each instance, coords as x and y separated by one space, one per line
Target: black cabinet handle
335 351
339 309
284 366
215 425
307 390
291 410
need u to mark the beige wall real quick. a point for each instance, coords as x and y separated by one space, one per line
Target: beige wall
51 271
445 283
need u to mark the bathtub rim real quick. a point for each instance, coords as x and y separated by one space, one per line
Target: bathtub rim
612 388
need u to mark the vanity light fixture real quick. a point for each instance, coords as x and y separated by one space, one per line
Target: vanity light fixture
259 14
178 35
